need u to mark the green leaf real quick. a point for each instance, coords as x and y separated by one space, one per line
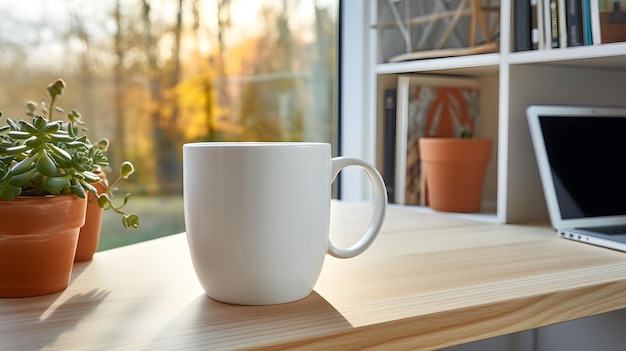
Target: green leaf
14 150
60 137
18 134
61 161
6 159
60 152
24 165
39 122
74 117
91 177
90 188
71 130
27 127
79 191
130 221
102 144
104 202
13 124
55 185
21 180
126 169
46 166
75 144
126 197
9 192
33 142
51 127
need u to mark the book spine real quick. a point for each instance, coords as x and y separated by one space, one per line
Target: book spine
554 23
389 155
562 14
521 24
534 24
547 24
574 23
587 34
594 8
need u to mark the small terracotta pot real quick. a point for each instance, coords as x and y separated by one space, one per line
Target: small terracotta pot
455 172
38 236
89 237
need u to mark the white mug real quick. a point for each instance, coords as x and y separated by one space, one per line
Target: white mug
257 217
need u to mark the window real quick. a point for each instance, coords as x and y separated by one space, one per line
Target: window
151 75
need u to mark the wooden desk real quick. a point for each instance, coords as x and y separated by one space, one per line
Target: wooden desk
429 281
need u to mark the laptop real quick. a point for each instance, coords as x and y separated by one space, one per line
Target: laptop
581 155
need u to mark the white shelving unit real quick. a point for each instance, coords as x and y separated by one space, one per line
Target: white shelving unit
510 81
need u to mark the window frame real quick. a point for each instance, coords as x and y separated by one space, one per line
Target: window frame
357 131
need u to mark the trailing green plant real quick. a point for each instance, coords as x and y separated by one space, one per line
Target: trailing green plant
42 156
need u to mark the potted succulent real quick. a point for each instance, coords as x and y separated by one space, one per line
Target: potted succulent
47 170
455 171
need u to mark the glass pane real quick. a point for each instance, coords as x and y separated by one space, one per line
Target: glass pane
151 75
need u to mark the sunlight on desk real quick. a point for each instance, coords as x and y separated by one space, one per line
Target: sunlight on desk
429 281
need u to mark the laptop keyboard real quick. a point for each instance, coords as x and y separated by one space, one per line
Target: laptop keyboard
613 230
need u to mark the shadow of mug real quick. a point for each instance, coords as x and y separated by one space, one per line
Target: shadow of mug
216 325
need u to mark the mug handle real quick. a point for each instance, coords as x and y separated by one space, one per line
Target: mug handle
380 207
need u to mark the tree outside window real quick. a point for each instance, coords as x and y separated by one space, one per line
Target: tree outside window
151 75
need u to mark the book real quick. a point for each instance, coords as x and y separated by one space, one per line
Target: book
389 144
428 106
594 9
551 23
534 24
574 22
541 25
562 15
587 34
521 23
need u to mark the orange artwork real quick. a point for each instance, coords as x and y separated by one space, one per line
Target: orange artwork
435 111
444 111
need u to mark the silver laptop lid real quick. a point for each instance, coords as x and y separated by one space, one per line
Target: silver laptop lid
581 155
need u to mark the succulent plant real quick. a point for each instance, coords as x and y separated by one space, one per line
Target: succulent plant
42 156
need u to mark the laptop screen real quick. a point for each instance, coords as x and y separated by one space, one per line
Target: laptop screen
587 159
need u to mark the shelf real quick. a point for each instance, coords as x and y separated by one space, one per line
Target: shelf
605 56
485 215
466 65
510 81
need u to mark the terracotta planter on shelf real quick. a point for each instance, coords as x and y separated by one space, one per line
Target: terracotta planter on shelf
38 236
455 172
89 236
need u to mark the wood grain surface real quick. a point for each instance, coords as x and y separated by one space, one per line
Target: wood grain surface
429 281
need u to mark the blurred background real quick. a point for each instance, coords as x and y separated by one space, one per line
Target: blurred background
151 75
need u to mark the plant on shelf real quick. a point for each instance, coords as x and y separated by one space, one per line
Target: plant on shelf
48 169
455 170
466 133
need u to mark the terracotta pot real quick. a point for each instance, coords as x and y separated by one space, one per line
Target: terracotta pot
89 237
38 236
455 172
